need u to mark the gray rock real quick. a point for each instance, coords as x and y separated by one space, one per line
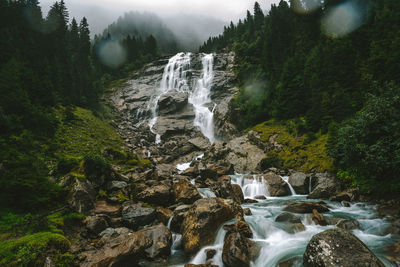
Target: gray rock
116 185
81 196
277 186
136 215
338 247
327 185
172 102
97 224
162 239
300 182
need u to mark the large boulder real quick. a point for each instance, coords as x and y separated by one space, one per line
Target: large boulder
185 192
160 194
136 215
306 207
203 219
97 224
238 249
277 187
119 251
172 102
338 247
350 194
81 196
162 238
300 182
245 156
326 186
225 189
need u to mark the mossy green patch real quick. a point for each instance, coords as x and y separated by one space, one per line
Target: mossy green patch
300 152
85 134
30 249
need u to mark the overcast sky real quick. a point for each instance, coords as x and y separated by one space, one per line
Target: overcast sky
100 13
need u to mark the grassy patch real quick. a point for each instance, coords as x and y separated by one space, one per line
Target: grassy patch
85 134
30 249
300 152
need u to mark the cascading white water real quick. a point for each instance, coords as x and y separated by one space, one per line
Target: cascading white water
286 179
200 99
174 78
251 187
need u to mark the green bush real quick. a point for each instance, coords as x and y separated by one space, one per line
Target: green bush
94 166
367 146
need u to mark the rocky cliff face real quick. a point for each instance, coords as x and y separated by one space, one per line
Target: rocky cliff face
181 140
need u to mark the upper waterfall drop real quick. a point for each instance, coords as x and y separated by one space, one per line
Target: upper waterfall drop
201 101
174 78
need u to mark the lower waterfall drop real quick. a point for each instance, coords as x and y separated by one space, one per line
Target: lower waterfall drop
201 101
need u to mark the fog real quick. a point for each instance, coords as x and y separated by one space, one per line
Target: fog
207 15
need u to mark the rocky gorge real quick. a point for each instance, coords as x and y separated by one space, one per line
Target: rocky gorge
206 199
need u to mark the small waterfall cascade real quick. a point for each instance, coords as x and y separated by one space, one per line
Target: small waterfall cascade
310 186
286 179
200 99
252 186
176 239
174 78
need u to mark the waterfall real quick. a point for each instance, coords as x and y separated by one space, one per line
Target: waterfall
174 78
286 179
201 101
257 186
310 186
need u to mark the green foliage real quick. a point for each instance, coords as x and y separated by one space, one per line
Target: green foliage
87 134
294 153
272 160
367 146
303 73
30 249
94 166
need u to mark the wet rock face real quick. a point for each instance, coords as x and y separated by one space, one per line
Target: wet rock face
277 187
238 249
119 251
225 189
203 219
306 207
337 247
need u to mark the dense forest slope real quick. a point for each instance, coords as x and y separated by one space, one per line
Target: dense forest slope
291 65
